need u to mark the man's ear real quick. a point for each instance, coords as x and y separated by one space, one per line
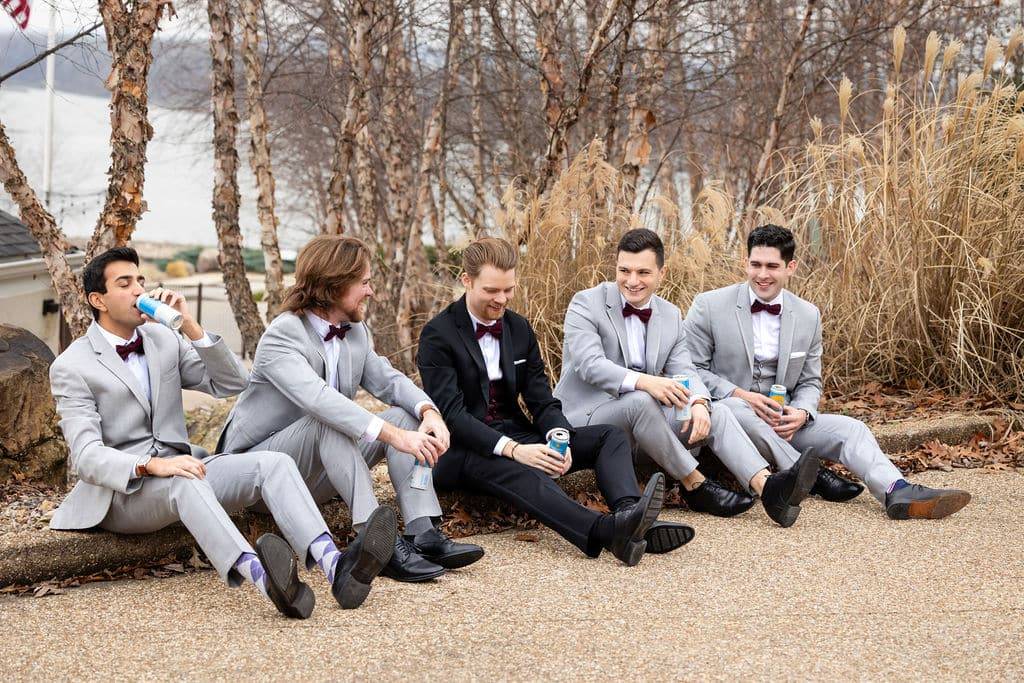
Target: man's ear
465 279
95 299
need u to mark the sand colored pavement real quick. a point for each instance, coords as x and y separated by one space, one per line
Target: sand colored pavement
846 593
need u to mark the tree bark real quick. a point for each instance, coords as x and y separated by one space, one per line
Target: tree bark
259 157
354 117
50 238
130 40
641 101
477 122
225 181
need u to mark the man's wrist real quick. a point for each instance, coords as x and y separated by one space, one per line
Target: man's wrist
191 329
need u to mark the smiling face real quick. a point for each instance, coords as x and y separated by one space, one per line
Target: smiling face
767 272
489 293
352 305
124 284
638 276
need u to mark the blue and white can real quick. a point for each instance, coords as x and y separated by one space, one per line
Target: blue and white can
559 441
421 476
683 414
160 312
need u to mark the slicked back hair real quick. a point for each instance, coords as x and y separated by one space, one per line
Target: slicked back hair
770 235
488 251
94 275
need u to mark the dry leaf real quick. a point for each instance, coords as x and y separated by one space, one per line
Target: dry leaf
528 536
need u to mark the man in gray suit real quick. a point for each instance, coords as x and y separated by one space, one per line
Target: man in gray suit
623 344
308 366
118 393
747 337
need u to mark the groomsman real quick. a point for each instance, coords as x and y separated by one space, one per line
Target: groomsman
308 366
623 345
478 360
747 337
118 393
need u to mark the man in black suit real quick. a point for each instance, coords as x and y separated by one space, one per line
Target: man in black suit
477 360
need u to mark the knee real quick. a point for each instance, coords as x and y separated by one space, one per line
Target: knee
271 463
401 418
184 488
614 437
641 403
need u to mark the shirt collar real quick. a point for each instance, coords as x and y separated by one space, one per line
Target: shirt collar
639 308
320 326
476 321
754 297
114 340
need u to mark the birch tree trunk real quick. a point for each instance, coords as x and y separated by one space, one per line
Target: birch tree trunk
477 122
641 101
259 157
130 41
51 239
225 180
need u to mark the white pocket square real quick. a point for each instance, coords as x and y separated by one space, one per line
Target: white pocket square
798 354
519 362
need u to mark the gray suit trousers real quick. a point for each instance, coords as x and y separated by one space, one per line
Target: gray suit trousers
834 437
334 464
654 432
233 481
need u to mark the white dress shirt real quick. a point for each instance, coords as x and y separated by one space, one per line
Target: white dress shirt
766 329
136 361
636 344
332 354
490 347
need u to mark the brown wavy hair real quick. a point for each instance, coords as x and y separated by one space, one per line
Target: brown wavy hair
325 268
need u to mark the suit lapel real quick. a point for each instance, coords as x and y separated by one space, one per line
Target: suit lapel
745 322
152 366
466 333
508 368
787 324
653 340
317 345
109 359
613 305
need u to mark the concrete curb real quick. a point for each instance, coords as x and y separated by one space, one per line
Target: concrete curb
31 556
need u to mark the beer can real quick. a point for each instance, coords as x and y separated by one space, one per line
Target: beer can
159 311
421 476
559 441
778 394
683 414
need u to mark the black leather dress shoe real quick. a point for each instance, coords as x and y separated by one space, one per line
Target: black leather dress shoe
920 502
714 499
784 491
365 558
631 524
664 537
834 488
409 566
291 597
443 551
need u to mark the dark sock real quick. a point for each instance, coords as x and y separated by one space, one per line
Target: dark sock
899 484
602 532
625 502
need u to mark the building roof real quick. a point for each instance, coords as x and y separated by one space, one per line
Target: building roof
16 242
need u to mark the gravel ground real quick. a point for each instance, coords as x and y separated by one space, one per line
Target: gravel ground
846 593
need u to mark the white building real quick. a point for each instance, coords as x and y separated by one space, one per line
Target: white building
27 298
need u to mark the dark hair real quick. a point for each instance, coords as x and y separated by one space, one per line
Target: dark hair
773 236
641 239
94 275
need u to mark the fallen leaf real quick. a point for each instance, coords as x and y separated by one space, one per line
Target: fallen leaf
527 536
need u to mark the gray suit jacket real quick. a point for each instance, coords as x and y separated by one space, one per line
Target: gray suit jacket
595 350
109 423
720 334
288 382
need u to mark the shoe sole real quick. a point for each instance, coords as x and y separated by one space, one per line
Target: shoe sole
655 492
279 563
806 476
378 544
938 507
457 560
665 539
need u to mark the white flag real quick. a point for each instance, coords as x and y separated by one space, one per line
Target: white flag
19 11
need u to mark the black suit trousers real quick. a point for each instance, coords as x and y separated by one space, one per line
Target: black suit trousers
602 448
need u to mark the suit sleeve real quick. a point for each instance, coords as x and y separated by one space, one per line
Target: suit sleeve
545 409
700 342
584 353
680 363
437 365
279 361
807 393
80 422
387 384
212 369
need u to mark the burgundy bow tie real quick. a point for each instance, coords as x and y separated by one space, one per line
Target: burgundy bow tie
493 330
643 313
770 309
338 331
125 350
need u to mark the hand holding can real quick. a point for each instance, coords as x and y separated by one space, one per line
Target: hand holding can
778 394
683 414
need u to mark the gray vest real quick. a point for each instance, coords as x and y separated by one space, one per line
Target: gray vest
764 375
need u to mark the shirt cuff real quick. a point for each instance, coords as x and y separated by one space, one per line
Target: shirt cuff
419 408
373 429
629 382
203 341
500 446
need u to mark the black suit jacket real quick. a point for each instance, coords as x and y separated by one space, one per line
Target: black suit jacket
455 376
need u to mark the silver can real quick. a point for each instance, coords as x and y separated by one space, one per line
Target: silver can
683 414
778 394
160 312
421 476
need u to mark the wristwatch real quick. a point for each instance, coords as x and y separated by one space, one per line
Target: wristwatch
140 468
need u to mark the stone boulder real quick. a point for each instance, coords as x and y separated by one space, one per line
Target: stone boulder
207 261
31 445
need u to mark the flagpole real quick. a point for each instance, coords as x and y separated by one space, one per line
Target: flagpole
51 72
